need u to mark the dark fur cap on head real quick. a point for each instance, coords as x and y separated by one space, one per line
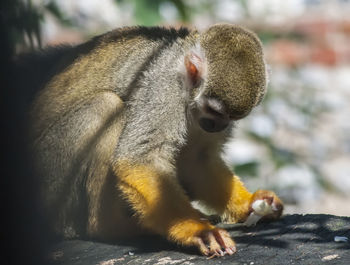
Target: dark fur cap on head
236 68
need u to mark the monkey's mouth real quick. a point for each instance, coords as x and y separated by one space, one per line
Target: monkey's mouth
213 125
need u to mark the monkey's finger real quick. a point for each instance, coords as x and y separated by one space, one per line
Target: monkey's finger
201 246
213 256
225 241
214 245
231 250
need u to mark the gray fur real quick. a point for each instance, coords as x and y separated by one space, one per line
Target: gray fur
121 95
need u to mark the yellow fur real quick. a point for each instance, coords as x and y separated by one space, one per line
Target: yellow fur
184 231
238 205
208 179
117 125
160 203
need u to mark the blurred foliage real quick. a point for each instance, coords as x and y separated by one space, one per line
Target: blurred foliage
23 18
269 36
249 169
301 102
147 12
22 21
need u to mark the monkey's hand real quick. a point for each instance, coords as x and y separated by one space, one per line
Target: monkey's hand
264 205
214 242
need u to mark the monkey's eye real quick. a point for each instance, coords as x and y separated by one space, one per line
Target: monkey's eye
213 111
215 108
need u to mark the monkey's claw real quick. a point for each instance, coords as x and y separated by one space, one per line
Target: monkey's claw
264 205
216 243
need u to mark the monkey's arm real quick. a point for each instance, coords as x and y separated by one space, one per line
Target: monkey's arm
146 177
163 208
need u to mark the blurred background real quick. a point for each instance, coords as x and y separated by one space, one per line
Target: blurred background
297 142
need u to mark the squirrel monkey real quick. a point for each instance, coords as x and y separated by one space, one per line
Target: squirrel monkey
128 128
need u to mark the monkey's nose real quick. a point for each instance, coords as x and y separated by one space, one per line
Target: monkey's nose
213 125
214 117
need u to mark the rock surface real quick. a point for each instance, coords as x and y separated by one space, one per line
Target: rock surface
294 239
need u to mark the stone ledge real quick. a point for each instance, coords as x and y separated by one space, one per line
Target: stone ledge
295 239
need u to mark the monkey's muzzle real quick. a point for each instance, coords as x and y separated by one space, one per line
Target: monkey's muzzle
213 116
213 125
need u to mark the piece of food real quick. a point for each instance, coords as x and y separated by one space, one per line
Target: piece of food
260 209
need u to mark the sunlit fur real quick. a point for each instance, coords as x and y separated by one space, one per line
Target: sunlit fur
115 137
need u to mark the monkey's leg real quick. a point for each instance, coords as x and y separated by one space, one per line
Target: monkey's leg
163 208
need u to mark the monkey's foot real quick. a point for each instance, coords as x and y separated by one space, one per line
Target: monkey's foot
215 243
264 205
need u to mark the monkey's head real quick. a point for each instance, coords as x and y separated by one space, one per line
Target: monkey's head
227 75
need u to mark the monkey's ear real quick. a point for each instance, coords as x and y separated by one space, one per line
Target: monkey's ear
194 65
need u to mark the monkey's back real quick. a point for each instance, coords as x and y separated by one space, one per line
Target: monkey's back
77 117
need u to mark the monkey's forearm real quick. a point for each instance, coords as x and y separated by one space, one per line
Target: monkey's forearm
217 187
163 208
238 207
